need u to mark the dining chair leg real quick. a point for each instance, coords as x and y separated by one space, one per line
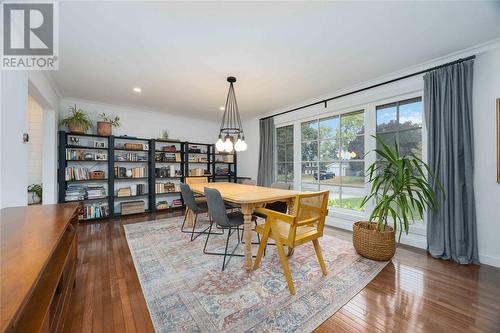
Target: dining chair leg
225 251
262 245
208 235
317 248
194 226
184 222
284 264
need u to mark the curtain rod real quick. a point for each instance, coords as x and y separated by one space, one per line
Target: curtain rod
373 86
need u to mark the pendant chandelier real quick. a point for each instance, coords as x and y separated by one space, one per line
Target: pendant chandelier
230 126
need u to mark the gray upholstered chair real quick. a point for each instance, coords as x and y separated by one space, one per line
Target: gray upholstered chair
218 215
194 206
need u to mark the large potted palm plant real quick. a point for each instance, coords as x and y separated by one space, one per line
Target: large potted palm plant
401 187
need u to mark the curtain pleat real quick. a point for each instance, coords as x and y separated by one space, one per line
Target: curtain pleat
265 175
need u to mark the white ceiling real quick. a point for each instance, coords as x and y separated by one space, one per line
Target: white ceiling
180 53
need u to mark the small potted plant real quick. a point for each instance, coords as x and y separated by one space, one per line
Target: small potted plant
104 126
36 193
402 190
78 122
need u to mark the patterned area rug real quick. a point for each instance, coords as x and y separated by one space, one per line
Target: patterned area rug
186 291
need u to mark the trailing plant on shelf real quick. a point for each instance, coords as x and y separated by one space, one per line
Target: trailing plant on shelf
401 187
78 122
104 126
36 192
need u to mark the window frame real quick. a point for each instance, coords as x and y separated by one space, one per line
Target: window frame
367 101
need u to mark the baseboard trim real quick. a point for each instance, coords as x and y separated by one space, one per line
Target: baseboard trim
489 260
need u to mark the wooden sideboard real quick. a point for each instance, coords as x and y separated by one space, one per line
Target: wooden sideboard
38 259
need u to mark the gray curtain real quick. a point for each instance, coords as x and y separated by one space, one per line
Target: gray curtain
451 230
265 175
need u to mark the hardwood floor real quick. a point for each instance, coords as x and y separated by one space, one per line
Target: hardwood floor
414 293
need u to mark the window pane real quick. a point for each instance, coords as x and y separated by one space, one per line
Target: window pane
289 153
309 131
289 134
310 151
334 196
328 172
353 148
280 136
410 142
329 127
388 138
328 150
352 197
386 118
410 115
353 174
289 172
281 154
353 123
309 187
310 172
280 176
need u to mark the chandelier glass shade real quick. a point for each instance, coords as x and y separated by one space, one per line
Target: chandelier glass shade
231 135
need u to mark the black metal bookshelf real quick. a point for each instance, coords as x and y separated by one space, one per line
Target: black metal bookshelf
229 160
168 156
155 156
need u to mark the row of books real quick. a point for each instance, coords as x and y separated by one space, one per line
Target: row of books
78 192
131 157
168 157
74 173
122 172
94 211
84 155
167 187
165 172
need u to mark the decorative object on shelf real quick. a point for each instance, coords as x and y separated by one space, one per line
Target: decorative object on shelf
74 140
164 135
95 175
132 207
129 173
88 156
99 144
162 205
124 192
402 181
78 122
106 124
36 193
101 157
231 124
136 146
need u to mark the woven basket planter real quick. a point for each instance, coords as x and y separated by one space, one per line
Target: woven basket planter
75 129
372 244
104 128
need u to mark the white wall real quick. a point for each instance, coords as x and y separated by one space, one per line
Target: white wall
15 88
35 144
145 123
248 160
487 190
486 90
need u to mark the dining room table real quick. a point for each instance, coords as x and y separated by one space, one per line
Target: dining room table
248 197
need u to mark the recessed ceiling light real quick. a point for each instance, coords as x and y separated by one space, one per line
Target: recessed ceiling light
137 89
222 108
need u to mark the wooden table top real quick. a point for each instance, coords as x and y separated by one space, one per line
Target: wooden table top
246 194
28 237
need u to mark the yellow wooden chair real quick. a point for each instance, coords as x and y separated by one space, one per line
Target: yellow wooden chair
305 225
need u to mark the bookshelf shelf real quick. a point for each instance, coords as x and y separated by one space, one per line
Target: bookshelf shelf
158 172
